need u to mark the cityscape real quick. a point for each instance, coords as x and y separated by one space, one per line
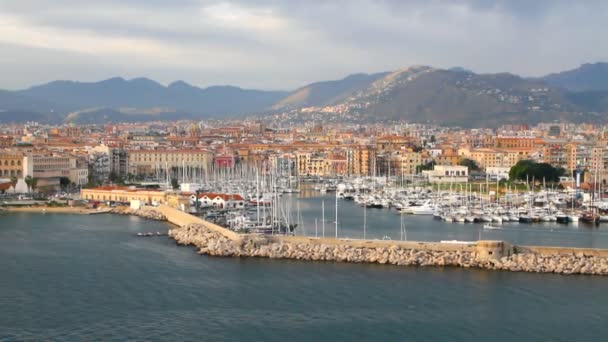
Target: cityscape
230 170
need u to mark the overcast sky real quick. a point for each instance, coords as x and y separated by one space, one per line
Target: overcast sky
272 44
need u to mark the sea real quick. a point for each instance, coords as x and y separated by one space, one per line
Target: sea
90 278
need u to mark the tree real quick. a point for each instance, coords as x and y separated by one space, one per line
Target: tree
528 169
471 164
34 183
64 182
174 183
433 139
427 166
28 181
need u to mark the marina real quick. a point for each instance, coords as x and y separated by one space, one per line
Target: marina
404 209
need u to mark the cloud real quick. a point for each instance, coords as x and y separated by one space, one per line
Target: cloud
275 44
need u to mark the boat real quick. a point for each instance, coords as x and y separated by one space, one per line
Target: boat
423 210
489 226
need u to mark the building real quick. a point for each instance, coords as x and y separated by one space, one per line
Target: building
222 201
11 164
7 141
49 169
497 172
124 195
151 162
361 161
447 174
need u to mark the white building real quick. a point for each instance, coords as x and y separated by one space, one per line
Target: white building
222 201
447 174
497 173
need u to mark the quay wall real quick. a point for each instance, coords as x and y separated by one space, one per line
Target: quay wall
213 240
549 250
182 219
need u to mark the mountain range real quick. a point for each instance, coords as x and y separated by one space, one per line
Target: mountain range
454 96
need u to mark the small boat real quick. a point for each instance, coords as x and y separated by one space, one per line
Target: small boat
489 226
561 218
486 218
525 219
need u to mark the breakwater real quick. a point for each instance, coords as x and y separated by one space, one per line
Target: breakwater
150 213
214 240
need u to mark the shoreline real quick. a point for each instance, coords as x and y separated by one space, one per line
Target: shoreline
56 210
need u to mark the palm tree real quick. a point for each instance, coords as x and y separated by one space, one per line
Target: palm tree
14 182
28 180
32 182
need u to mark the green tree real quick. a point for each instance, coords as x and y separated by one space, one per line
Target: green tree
427 166
28 181
528 169
174 183
64 182
34 183
471 164
433 139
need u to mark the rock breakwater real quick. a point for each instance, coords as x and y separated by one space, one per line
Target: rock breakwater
149 214
212 243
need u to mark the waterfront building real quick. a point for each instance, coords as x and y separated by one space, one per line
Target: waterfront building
50 168
447 174
497 172
221 201
124 195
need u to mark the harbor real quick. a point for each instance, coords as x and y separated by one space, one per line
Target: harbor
393 209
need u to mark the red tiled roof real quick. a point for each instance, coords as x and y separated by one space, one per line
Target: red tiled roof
225 197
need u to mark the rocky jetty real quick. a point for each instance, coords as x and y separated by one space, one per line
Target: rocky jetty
149 214
212 243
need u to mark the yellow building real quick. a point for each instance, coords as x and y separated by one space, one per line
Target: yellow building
11 165
489 157
147 162
123 194
309 164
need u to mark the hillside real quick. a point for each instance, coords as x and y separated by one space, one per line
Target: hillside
107 115
327 92
587 77
460 97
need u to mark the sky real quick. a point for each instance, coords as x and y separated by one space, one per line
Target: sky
281 45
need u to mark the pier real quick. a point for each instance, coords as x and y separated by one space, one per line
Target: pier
213 240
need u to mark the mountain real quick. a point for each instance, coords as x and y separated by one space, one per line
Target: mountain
587 77
453 97
328 92
69 96
107 115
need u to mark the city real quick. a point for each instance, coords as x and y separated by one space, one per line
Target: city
228 170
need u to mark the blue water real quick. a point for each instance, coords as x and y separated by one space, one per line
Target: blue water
85 278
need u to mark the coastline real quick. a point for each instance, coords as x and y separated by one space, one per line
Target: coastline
56 210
